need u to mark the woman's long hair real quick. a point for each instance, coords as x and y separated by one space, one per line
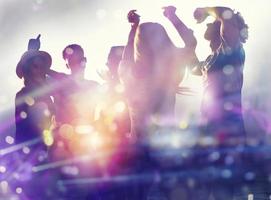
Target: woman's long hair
152 47
242 26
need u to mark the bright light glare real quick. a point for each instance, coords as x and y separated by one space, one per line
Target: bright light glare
84 129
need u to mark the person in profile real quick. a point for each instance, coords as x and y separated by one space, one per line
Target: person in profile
34 108
151 70
113 60
222 72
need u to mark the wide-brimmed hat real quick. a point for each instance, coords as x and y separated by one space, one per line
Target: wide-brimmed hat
28 58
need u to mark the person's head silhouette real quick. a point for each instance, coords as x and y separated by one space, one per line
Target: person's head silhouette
212 34
228 28
152 44
33 66
73 54
113 60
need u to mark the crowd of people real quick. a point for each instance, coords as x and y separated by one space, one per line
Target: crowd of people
67 113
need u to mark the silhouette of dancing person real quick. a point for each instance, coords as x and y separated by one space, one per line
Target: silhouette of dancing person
151 69
115 112
222 72
34 108
73 94
74 99
34 113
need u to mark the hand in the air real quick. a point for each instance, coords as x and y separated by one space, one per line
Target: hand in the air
169 11
34 44
133 17
200 14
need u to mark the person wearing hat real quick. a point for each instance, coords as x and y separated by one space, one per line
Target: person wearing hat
34 108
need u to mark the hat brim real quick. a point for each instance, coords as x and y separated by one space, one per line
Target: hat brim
26 58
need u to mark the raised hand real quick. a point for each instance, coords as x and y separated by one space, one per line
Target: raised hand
200 14
34 44
133 17
169 11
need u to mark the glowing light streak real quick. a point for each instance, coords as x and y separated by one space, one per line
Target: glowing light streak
19 146
60 163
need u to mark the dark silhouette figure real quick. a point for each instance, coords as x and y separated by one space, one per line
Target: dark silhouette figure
151 69
223 74
75 101
34 107
113 61
115 112
74 95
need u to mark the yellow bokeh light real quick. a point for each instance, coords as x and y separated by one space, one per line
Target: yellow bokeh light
183 124
48 138
29 101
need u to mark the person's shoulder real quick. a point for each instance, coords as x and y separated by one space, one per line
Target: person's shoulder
22 92
20 97
57 76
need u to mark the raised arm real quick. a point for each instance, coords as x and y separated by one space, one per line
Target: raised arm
187 36
34 43
185 33
128 53
233 28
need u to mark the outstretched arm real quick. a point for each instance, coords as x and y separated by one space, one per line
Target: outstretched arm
185 33
187 36
229 31
128 53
